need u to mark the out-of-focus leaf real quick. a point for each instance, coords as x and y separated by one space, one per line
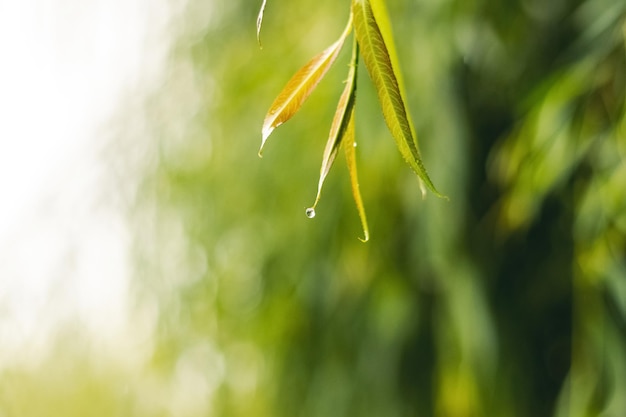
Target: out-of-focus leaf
300 87
340 123
379 65
259 22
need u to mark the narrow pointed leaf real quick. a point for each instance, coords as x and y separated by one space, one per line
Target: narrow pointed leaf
340 122
259 22
384 24
349 145
342 133
300 87
379 65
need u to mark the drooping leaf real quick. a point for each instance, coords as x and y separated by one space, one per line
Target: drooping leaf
349 145
379 66
259 22
340 122
300 87
342 132
384 25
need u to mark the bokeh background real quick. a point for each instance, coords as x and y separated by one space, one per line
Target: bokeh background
194 285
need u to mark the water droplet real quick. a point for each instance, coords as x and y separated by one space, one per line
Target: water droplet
310 212
354 144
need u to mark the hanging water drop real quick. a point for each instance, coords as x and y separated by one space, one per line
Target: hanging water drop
310 212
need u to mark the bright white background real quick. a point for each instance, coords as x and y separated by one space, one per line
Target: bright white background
65 68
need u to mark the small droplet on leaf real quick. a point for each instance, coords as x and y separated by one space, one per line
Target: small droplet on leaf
310 212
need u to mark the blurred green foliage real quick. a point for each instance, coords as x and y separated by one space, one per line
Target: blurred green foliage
508 300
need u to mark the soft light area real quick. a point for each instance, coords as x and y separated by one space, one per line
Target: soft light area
65 66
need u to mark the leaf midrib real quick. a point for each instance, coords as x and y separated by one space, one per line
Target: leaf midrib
380 75
301 85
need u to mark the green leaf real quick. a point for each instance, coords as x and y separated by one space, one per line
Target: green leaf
300 87
384 25
259 22
379 65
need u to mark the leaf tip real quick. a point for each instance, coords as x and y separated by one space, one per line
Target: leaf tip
442 196
259 22
258 34
426 185
265 133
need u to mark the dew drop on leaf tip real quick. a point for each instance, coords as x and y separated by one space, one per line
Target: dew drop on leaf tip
310 212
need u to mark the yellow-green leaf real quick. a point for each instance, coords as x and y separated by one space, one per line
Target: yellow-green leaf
300 87
379 65
259 22
349 145
342 133
340 122
384 24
